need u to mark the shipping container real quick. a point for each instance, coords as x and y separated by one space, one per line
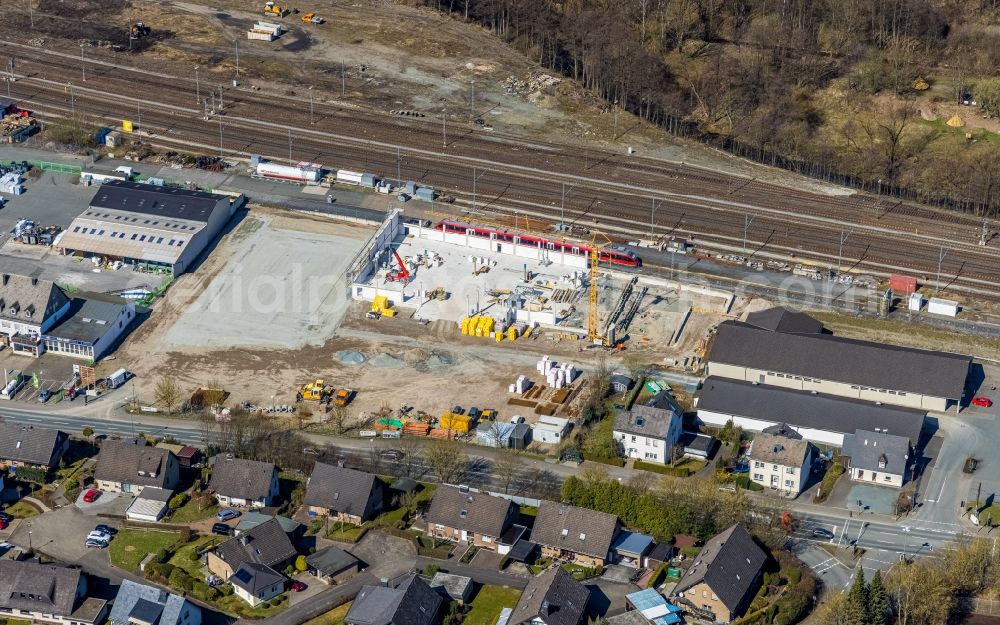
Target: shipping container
286 172
901 284
254 35
944 307
410 187
345 176
368 180
916 302
424 193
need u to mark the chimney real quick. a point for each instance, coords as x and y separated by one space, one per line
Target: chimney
244 540
6 277
34 282
385 582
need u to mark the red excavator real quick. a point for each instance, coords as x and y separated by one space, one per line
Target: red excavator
398 275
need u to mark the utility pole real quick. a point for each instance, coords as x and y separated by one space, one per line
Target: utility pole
83 65
444 129
840 251
472 101
72 102
31 13
197 85
290 146
311 121
138 115
221 105
343 79
982 237
221 153
748 220
652 215
615 137
399 177
237 42
941 255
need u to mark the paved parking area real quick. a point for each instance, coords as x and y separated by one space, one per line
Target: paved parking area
107 503
53 371
869 498
50 199
383 555
313 588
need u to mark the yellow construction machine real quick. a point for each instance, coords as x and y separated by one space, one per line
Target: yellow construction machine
315 391
272 8
593 336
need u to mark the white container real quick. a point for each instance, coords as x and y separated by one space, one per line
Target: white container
512 389
254 35
345 176
286 172
946 307
916 302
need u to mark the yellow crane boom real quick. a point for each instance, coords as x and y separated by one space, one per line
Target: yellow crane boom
593 336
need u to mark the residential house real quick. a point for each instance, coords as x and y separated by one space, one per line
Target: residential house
252 519
256 583
139 604
266 544
344 494
780 347
877 458
581 535
240 482
28 308
653 607
781 463
129 466
649 434
412 602
552 598
630 548
725 575
454 587
46 593
462 514
187 456
332 565
30 446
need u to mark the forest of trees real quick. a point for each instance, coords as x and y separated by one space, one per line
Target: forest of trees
825 87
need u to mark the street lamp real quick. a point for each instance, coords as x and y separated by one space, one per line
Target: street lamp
311 105
237 42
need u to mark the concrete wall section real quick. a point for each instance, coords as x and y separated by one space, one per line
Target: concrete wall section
719 419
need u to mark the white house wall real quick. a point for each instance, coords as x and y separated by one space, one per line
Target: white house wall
719 419
527 252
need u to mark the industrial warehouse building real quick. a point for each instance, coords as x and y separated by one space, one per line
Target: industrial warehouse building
784 348
816 417
154 228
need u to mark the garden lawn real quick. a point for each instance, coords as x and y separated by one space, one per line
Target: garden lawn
23 510
130 546
182 557
235 605
337 615
189 512
485 608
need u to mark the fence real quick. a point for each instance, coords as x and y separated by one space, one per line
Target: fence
57 167
976 605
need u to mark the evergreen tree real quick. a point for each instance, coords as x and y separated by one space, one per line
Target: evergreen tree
878 604
857 601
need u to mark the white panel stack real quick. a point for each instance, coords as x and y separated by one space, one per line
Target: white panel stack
521 385
938 306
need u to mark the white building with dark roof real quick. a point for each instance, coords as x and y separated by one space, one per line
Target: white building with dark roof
153 227
814 416
647 433
93 325
877 458
793 351
781 463
46 593
29 307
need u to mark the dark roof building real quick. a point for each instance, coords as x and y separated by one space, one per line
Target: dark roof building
463 509
815 416
94 323
877 457
331 561
410 603
28 303
266 544
553 598
647 421
148 605
31 590
344 491
27 444
575 530
255 578
786 350
244 480
148 225
730 565
133 465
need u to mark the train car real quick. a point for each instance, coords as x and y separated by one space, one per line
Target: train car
612 254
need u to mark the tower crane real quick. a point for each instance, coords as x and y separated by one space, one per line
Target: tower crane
593 335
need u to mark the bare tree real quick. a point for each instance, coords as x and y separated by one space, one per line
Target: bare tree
676 452
339 419
303 412
447 460
413 456
167 394
506 467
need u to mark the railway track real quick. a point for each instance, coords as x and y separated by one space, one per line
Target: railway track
638 196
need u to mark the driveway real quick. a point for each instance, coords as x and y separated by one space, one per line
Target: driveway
106 503
383 555
60 534
607 597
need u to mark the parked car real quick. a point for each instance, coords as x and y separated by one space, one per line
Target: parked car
820 532
44 395
6 517
298 586
97 535
517 419
4 523
91 495
985 402
970 466
228 513
107 529
221 529
392 454
94 543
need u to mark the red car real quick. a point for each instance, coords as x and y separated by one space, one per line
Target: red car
91 495
3 523
298 586
985 402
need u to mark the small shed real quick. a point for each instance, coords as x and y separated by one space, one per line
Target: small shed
550 430
630 547
520 436
653 606
494 434
150 505
368 181
700 446
621 383
456 587
332 565
660 553
524 551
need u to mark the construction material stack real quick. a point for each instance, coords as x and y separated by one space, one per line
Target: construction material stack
264 31
521 385
556 375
